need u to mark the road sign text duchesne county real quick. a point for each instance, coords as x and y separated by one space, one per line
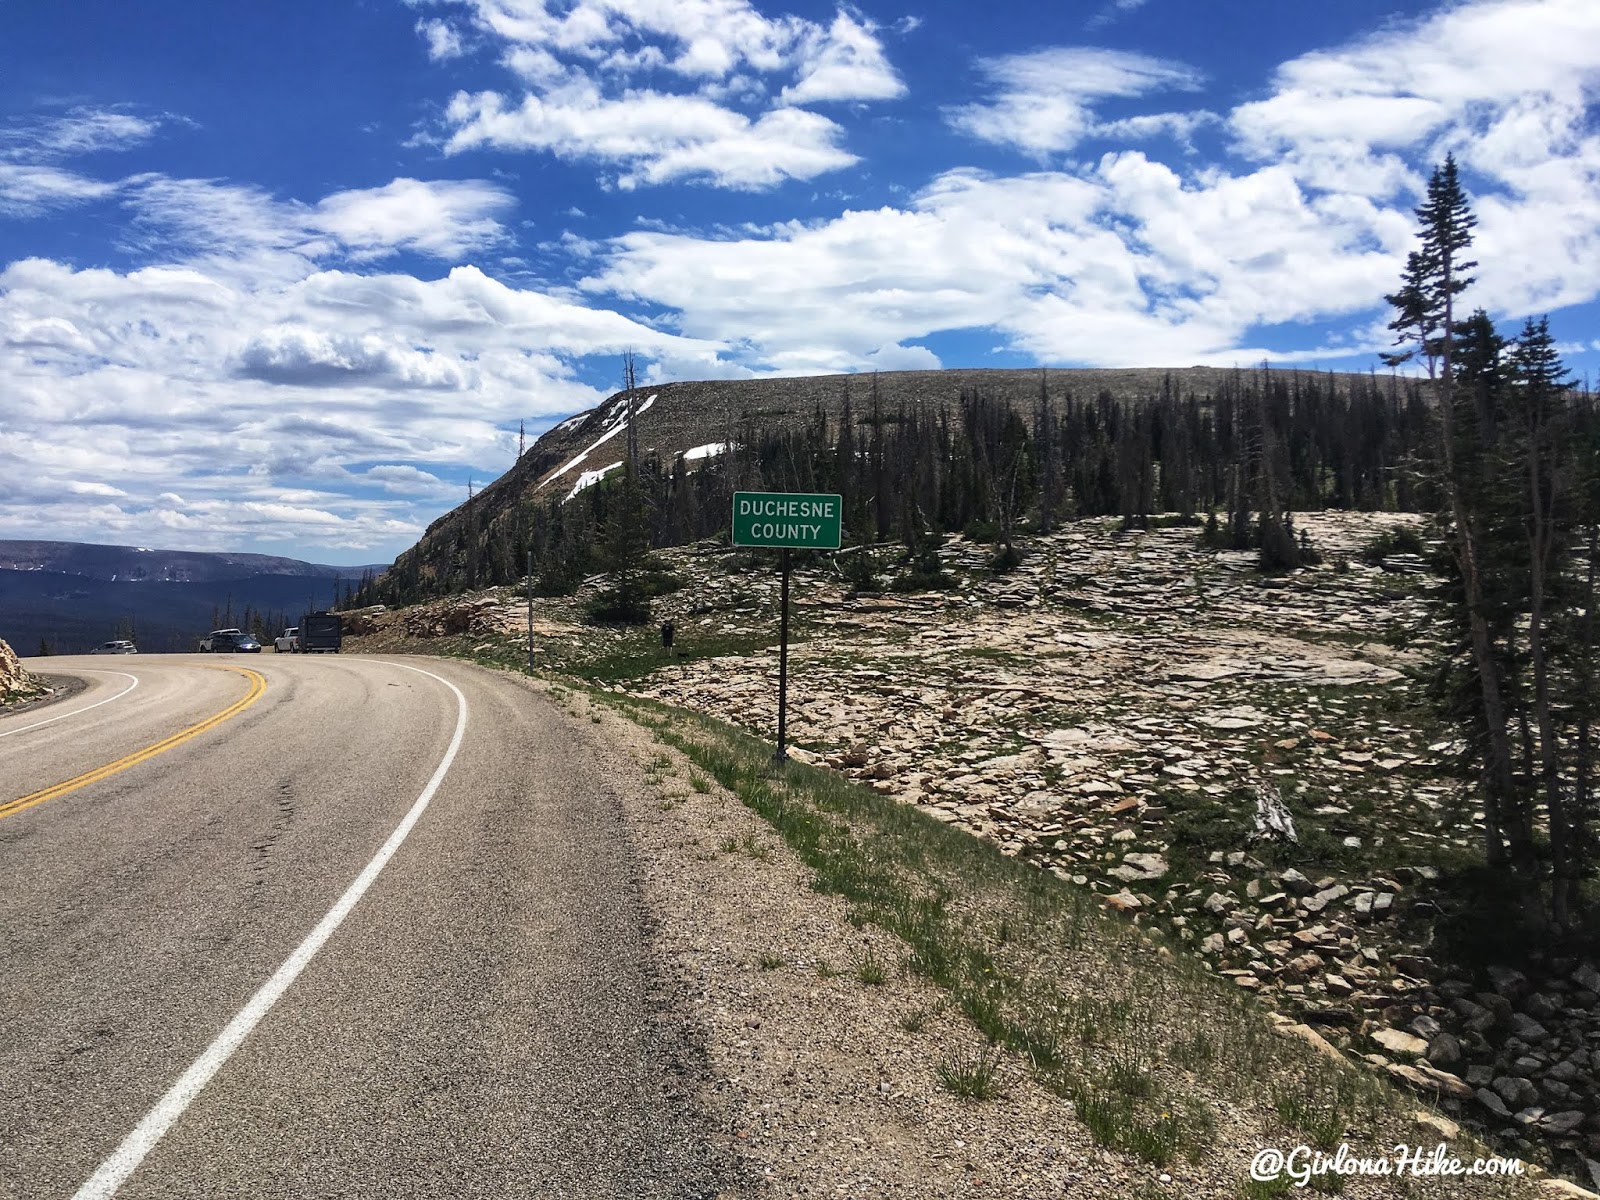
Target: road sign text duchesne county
798 520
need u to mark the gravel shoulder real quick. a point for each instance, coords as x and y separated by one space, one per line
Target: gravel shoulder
817 1082
825 1084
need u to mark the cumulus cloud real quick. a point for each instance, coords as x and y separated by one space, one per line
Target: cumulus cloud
1503 83
697 38
655 137
1508 86
407 480
1044 101
846 62
1128 260
235 411
702 116
443 40
442 218
314 358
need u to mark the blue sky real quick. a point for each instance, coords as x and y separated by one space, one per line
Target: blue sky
285 277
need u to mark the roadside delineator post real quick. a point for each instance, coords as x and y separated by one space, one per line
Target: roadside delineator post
786 521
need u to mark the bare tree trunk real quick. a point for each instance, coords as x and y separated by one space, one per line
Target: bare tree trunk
1549 761
1524 730
1582 816
630 384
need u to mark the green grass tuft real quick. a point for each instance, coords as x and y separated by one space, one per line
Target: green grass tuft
976 1077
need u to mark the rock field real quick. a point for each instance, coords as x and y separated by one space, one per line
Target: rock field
1241 761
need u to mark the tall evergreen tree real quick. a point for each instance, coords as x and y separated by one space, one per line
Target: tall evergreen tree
1424 324
1539 382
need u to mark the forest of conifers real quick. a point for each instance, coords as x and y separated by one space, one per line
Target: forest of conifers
1265 443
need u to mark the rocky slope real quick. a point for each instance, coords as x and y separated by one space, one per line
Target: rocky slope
1241 760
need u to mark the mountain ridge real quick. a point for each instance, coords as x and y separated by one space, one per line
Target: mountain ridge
111 562
676 418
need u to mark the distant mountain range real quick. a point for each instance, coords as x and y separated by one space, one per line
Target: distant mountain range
71 596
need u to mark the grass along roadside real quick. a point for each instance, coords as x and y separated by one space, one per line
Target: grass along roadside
1160 1060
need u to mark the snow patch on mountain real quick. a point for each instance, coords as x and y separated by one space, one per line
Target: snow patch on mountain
619 422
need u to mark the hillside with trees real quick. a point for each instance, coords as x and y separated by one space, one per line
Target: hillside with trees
992 458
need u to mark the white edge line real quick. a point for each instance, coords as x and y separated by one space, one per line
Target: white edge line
114 1171
85 708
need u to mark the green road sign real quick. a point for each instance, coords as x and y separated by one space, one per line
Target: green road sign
798 520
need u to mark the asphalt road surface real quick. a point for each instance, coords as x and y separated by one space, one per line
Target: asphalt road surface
325 926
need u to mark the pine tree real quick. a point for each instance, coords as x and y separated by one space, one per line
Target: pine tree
1424 324
624 551
1539 381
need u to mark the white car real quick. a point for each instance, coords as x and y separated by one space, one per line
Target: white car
115 648
287 642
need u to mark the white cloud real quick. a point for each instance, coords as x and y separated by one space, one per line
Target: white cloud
1112 11
699 38
1046 99
1179 126
311 357
263 397
405 480
78 487
1129 261
32 181
708 121
31 189
1501 82
655 137
845 63
442 219
1125 264
246 231
78 131
1507 85
443 40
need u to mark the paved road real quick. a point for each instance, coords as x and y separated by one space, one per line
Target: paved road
480 1023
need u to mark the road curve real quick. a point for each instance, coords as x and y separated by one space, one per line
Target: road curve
482 1021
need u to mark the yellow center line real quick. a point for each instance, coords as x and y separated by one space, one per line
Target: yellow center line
258 685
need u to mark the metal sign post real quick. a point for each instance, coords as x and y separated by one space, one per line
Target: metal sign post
785 521
530 612
783 657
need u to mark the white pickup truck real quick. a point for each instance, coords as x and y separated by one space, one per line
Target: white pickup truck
287 642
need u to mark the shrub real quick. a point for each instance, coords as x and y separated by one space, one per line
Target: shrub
1401 539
